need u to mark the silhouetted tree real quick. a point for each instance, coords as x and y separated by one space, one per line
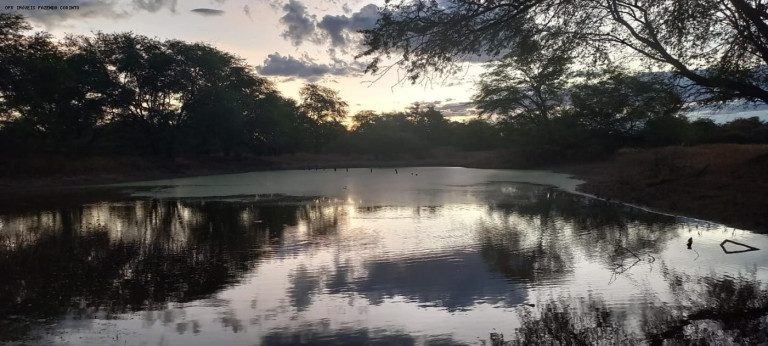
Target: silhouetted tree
430 123
363 119
327 109
617 107
477 134
278 126
160 81
528 86
322 103
549 112
721 46
58 93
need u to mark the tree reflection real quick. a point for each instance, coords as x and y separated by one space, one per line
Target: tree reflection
117 258
533 232
111 258
584 321
711 309
718 311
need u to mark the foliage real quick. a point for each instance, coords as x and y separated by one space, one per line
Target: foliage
125 93
720 46
128 93
548 116
322 103
59 91
526 85
387 135
416 131
557 80
618 107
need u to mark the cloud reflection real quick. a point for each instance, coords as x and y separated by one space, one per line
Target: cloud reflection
277 269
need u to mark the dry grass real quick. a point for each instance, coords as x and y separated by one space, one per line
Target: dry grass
727 183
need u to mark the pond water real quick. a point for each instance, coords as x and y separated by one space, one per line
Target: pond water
424 256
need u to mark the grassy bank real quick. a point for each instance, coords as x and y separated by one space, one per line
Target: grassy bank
725 183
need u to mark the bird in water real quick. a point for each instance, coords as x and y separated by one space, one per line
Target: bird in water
690 242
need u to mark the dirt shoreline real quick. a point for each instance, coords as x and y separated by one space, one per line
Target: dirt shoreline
723 183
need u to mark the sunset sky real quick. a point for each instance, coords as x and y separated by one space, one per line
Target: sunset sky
289 41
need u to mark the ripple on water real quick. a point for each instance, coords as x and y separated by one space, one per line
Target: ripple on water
454 257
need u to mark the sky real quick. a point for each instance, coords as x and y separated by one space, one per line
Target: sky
292 42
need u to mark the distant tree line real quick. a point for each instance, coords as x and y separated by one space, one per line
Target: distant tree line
546 115
548 111
415 132
129 94
126 93
560 80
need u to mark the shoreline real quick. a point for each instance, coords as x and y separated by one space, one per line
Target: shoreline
724 183
55 172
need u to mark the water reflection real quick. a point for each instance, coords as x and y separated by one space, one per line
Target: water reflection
453 281
533 262
120 257
323 334
724 312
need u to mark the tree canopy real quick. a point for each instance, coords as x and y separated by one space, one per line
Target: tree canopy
527 86
719 46
123 93
131 93
322 103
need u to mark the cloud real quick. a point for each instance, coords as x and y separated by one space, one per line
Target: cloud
448 108
455 109
300 24
207 12
155 5
274 4
288 66
247 11
339 27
